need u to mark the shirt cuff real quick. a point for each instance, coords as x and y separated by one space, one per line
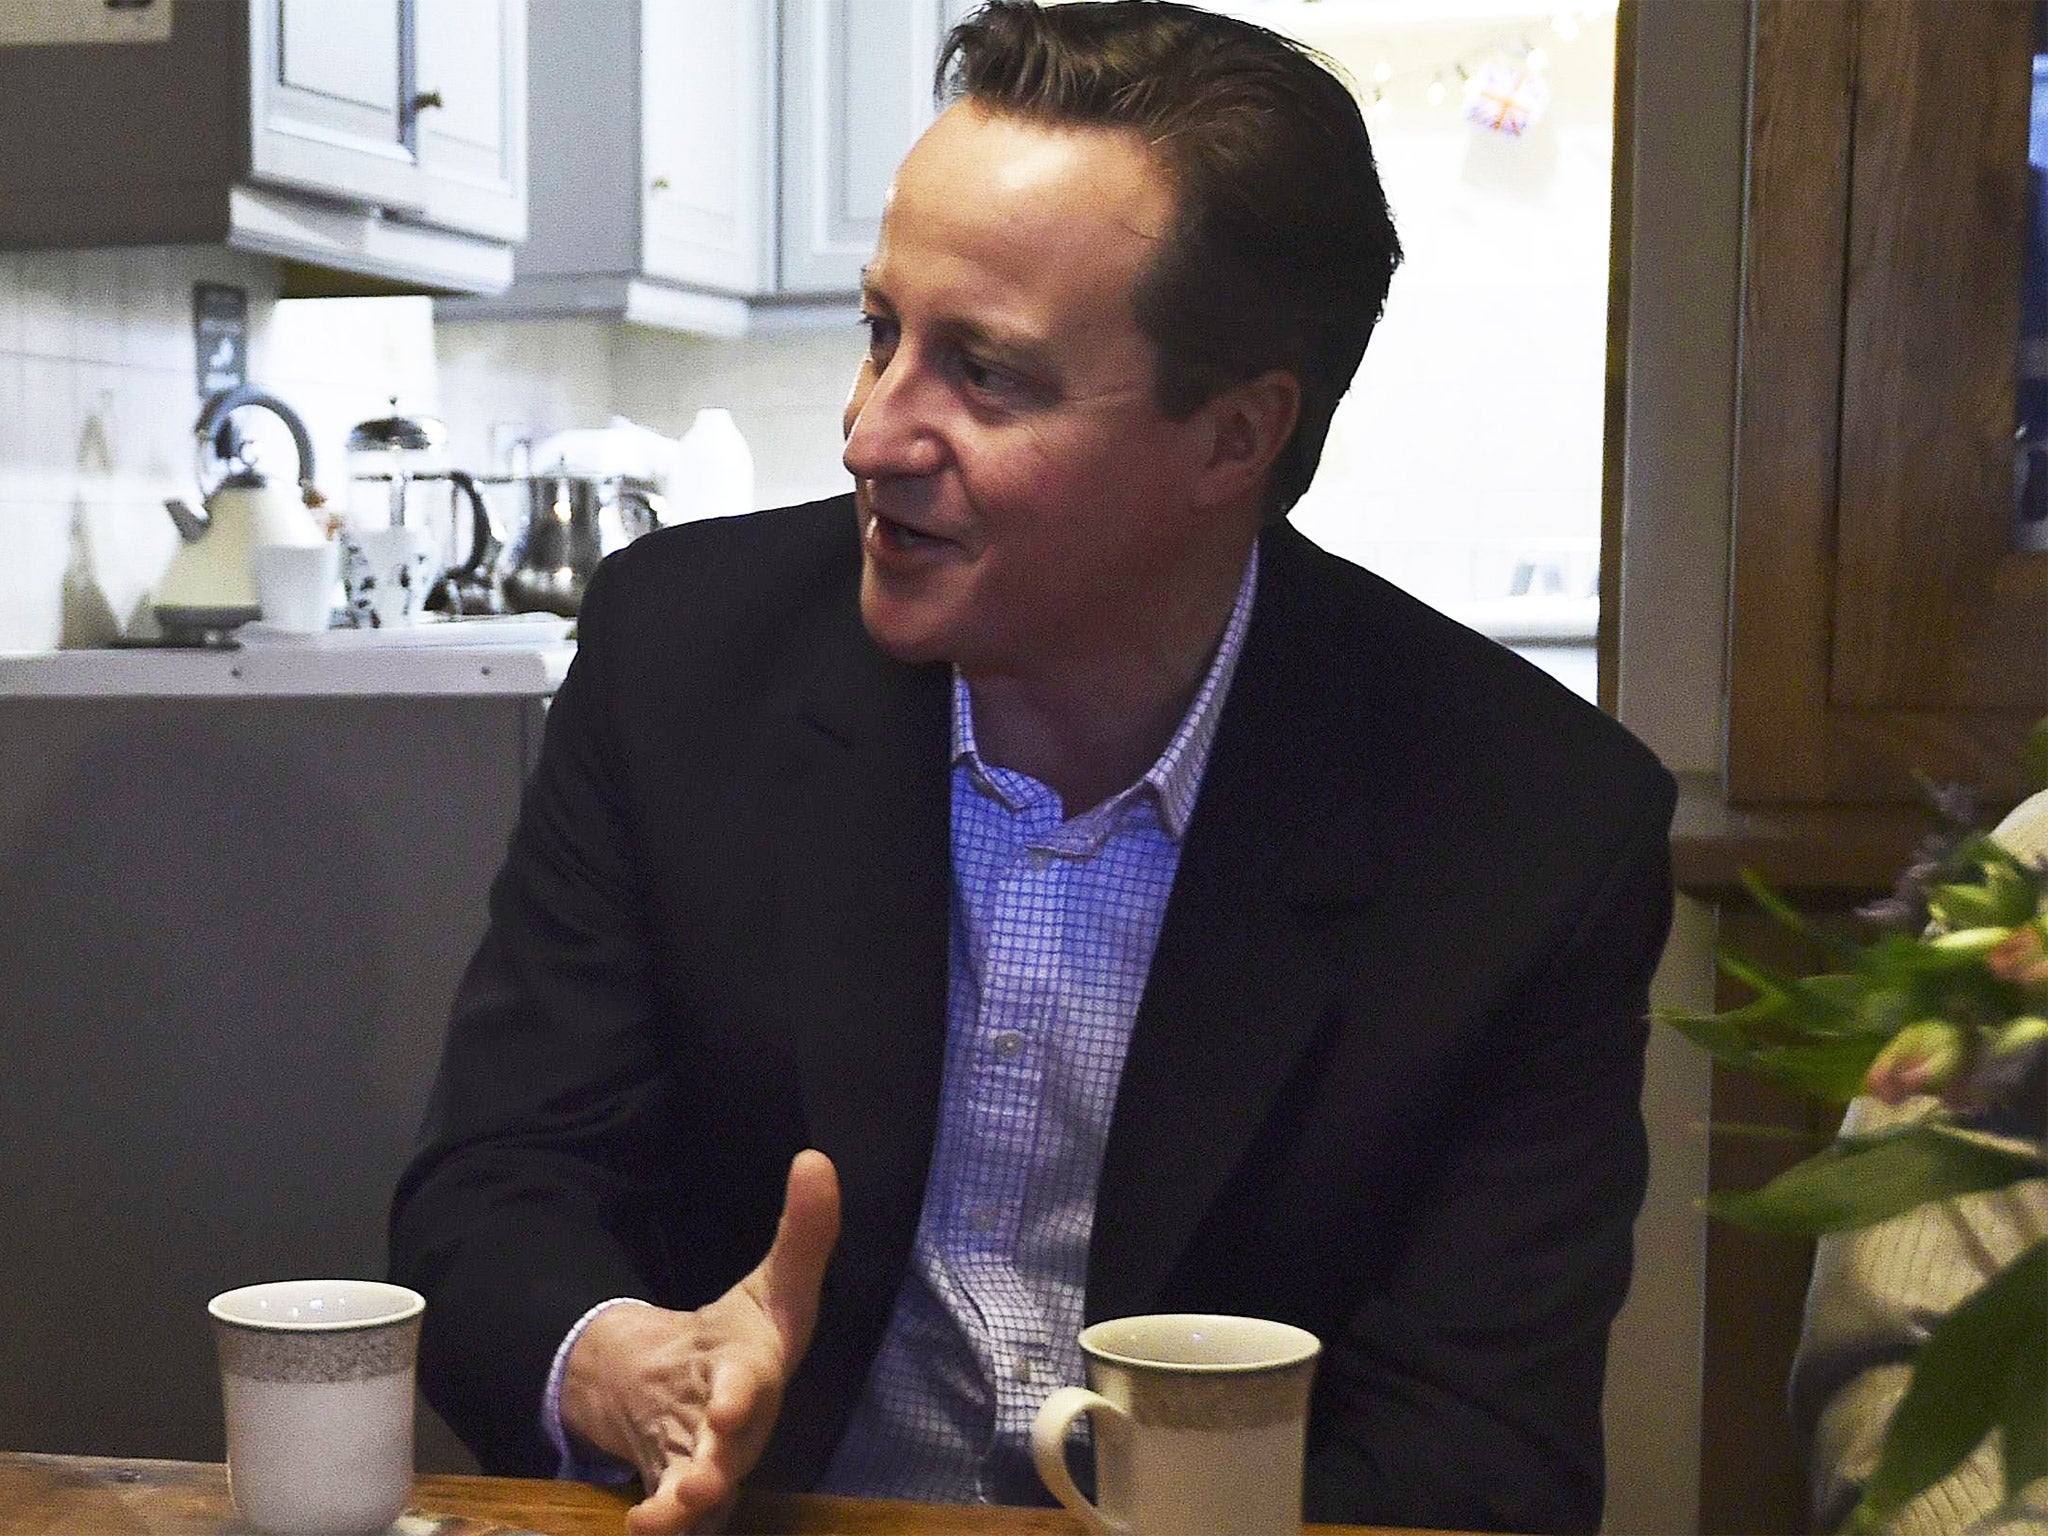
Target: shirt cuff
594 1469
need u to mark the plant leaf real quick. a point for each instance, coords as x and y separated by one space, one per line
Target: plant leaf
2026 1409
1790 917
1965 1383
2034 755
1865 1179
1830 1068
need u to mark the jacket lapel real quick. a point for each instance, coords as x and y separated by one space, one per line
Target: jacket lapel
863 911
1247 963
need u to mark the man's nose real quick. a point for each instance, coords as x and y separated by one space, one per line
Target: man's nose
892 427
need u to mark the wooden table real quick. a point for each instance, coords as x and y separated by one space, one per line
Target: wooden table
98 1496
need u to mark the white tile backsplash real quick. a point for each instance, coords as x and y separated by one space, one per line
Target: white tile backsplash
96 307
49 418
38 546
46 289
156 311
97 402
13 425
10 306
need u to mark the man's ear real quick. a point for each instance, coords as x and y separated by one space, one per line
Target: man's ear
1249 424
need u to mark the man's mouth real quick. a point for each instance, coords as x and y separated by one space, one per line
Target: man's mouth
886 531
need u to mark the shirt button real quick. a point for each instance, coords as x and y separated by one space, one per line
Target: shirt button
1037 858
983 1217
1009 1044
1023 1370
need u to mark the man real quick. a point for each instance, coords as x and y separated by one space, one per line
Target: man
1118 903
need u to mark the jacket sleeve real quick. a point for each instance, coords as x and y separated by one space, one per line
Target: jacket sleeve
531 1194
1465 1392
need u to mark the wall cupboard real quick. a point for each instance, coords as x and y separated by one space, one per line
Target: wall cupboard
715 166
1883 623
379 145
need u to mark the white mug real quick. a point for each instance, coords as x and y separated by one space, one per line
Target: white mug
387 572
1200 1426
295 584
317 1380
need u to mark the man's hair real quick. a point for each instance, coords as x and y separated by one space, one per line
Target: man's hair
1282 247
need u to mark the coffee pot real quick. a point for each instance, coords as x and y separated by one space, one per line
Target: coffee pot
397 478
210 586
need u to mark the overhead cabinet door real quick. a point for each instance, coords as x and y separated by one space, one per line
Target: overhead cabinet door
325 108
858 78
469 77
706 100
416 106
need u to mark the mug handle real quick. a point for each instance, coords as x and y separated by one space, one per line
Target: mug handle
1049 1450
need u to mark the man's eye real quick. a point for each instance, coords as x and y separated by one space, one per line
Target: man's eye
980 375
881 332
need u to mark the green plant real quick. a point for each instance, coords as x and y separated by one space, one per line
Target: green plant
1949 998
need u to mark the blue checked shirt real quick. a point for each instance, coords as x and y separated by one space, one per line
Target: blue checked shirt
1053 927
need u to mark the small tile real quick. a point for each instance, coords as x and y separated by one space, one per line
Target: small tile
157 414
10 302
48 294
37 536
13 427
130 546
98 438
49 419
96 307
156 311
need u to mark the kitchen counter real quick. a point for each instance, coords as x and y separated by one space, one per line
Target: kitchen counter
277 671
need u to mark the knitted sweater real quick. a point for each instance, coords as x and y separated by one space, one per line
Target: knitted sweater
1875 1295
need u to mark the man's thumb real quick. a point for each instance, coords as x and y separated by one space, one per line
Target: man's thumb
794 1272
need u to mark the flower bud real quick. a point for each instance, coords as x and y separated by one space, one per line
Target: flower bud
2022 959
2017 1034
1921 1058
1970 941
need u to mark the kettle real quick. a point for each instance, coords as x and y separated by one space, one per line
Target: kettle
210 587
572 522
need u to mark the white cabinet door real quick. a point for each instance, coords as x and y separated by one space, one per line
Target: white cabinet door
857 78
707 169
325 108
469 76
418 106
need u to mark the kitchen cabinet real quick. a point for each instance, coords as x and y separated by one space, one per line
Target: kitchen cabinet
706 94
856 92
239 889
1884 624
374 145
715 166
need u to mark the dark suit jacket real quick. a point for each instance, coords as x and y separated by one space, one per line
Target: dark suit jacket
1384 1082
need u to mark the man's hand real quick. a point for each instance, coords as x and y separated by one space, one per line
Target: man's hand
690 1397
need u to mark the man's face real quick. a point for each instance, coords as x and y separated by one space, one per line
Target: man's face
1024 504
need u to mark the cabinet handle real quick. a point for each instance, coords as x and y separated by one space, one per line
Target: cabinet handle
660 184
424 100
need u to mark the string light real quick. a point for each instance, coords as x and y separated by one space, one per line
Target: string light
1523 49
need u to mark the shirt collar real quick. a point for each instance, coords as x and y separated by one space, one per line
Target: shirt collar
1177 775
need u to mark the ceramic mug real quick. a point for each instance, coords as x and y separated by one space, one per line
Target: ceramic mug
1200 1426
316 1378
387 573
295 585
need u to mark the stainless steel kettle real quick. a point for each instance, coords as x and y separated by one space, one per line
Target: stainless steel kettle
572 522
210 586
